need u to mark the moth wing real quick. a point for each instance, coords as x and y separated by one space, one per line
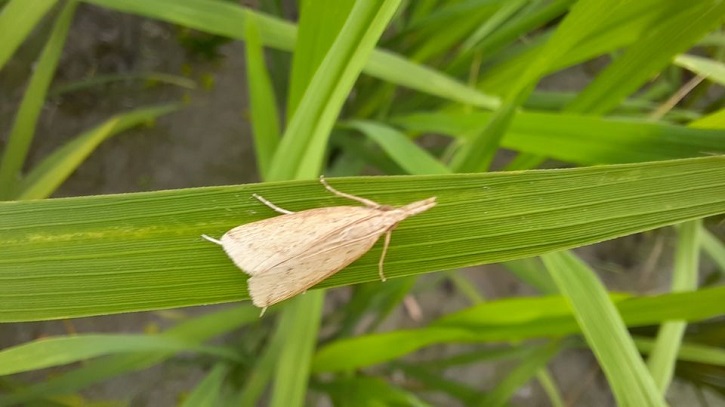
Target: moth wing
261 246
298 274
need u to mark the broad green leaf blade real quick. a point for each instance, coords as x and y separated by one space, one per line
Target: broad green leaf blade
143 251
23 130
580 139
57 167
62 350
262 101
662 359
511 320
17 20
605 331
193 331
412 158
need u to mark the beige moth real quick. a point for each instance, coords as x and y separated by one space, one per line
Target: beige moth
288 254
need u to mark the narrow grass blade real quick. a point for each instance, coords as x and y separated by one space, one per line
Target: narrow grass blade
23 130
409 156
605 331
535 360
17 19
511 320
62 350
303 145
262 101
50 173
662 359
193 331
709 68
208 391
579 139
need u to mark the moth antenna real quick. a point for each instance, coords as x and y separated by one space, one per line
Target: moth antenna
211 239
366 202
272 206
386 243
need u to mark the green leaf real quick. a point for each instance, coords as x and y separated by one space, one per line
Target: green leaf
21 135
193 331
62 350
143 251
513 319
535 360
708 68
369 391
207 392
675 33
47 176
413 159
604 330
300 154
580 139
17 19
662 359
263 104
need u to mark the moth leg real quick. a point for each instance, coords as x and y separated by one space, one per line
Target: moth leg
386 243
272 206
363 201
211 239
262 313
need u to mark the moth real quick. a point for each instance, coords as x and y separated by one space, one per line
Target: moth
288 254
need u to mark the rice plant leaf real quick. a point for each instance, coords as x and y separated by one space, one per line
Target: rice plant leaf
50 173
23 130
604 330
17 19
192 331
511 320
55 351
579 139
106 254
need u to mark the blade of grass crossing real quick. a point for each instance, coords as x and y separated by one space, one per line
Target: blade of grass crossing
195 331
301 151
21 135
18 18
663 357
301 319
604 331
536 360
262 102
647 56
208 391
47 176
